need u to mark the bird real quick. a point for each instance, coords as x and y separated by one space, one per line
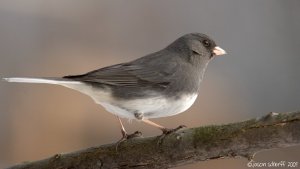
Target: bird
161 84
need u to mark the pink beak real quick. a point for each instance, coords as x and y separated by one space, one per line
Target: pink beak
219 51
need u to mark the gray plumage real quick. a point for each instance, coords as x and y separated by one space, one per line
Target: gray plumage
160 84
176 69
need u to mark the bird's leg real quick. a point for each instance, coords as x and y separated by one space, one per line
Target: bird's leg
126 136
123 131
165 130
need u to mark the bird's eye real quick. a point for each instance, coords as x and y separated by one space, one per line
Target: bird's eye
206 43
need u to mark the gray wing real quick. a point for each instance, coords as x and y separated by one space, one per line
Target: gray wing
132 74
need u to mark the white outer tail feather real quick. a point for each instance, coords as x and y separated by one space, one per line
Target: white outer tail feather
40 80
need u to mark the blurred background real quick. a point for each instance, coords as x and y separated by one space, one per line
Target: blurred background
260 74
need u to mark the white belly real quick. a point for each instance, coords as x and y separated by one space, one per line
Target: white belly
150 108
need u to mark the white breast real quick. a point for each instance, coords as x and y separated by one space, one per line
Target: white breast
173 107
151 107
154 107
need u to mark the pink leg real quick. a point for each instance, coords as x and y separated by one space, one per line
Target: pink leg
123 131
162 128
126 136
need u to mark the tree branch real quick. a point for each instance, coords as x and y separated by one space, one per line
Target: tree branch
275 130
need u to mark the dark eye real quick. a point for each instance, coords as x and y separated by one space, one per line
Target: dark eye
206 43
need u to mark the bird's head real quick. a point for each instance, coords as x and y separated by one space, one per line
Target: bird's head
196 46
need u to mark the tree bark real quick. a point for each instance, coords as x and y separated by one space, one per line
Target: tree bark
275 130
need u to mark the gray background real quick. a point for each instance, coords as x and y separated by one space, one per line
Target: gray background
60 37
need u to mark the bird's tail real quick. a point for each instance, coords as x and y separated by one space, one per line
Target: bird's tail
58 81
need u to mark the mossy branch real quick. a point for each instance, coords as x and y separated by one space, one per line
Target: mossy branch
275 130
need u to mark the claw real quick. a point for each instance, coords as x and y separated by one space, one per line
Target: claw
126 136
167 131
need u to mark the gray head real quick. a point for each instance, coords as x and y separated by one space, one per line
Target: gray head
196 47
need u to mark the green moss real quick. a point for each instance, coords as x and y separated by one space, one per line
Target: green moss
211 135
206 134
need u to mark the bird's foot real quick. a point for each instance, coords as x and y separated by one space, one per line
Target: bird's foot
126 136
167 131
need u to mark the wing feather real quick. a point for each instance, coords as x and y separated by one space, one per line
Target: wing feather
127 75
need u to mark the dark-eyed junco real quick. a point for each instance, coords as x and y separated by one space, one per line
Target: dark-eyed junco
164 83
